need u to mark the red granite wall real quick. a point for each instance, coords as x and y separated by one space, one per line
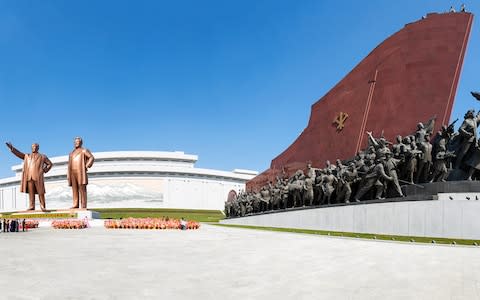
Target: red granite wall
410 77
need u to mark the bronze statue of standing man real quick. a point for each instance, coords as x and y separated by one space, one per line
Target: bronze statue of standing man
34 166
79 161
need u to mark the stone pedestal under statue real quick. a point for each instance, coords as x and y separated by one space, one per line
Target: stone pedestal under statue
89 214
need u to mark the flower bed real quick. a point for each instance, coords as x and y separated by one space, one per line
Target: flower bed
69 224
31 224
149 223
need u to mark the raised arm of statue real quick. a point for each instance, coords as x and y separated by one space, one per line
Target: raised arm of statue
16 152
372 139
90 157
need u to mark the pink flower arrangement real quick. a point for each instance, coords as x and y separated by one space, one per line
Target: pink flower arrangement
148 223
69 224
31 224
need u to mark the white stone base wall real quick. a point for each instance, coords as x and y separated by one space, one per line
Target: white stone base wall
457 218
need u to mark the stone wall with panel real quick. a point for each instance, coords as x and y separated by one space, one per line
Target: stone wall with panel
451 216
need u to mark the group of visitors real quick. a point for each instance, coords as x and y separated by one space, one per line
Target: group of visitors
12 225
462 8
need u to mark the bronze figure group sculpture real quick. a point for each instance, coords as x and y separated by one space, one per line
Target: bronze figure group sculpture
36 164
374 173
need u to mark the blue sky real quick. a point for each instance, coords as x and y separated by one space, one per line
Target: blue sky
231 81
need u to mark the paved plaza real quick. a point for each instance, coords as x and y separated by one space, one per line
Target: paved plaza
229 263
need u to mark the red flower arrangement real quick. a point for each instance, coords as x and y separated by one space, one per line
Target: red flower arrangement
69 224
149 223
31 224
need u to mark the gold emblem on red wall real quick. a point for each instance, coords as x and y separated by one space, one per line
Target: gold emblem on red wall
340 120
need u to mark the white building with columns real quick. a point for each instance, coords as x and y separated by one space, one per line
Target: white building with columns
133 179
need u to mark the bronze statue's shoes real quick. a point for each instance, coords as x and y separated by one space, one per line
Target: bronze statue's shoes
74 207
44 210
31 208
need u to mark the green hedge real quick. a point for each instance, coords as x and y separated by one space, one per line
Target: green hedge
189 214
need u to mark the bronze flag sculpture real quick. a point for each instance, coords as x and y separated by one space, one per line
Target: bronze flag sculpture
79 161
34 166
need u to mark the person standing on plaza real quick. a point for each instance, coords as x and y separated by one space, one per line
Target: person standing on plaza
183 224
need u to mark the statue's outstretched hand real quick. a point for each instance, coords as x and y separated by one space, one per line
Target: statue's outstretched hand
9 145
